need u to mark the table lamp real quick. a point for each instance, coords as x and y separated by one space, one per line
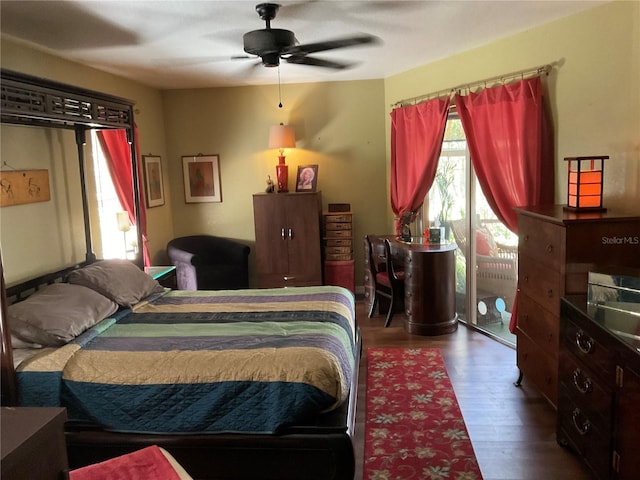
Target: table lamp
124 225
585 183
281 137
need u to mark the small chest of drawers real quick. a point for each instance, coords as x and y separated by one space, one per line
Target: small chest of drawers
339 266
338 236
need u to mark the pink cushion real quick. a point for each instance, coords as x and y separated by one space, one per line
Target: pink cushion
485 243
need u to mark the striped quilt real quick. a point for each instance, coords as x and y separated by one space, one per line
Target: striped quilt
205 361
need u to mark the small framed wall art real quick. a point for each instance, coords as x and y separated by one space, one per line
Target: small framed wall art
153 180
18 187
307 178
201 178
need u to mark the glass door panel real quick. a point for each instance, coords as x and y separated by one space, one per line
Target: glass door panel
496 273
486 261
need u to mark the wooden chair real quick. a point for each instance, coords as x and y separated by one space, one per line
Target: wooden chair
387 277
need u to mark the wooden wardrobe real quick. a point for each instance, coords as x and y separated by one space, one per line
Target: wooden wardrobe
287 228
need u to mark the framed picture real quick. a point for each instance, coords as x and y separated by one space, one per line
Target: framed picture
153 180
307 178
201 178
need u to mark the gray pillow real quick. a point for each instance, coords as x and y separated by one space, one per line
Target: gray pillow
58 313
120 280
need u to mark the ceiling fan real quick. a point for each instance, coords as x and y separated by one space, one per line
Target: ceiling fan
274 44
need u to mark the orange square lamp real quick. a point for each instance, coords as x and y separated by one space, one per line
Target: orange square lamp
586 176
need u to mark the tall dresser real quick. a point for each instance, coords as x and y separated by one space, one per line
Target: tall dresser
287 229
557 249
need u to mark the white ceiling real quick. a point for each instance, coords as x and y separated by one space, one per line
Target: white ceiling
189 44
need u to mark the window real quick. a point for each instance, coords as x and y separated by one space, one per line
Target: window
118 238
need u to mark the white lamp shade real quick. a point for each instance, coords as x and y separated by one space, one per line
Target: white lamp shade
282 136
123 221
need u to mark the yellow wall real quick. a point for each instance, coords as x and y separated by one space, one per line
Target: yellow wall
594 90
341 126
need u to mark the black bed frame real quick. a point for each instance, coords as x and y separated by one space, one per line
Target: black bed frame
323 449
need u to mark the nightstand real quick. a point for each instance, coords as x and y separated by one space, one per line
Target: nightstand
165 275
33 443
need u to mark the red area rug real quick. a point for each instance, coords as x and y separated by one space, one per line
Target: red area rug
414 428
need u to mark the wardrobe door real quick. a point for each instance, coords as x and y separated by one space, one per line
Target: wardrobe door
272 257
303 236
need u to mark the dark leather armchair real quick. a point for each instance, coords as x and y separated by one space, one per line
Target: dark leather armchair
205 262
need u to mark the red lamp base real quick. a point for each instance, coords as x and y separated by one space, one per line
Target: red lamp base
282 174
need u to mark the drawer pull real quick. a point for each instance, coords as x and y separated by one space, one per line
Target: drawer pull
582 383
550 293
549 248
584 342
583 427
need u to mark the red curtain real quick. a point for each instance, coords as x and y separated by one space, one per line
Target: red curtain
117 151
417 132
511 144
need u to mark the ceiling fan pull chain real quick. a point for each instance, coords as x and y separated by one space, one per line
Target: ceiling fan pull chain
279 90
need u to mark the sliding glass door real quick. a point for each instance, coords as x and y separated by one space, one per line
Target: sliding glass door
486 258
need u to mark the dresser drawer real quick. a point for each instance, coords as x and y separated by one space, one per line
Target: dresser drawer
540 368
541 283
542 241
539 324
590 439
341 217
586 390
337 250
588 349
338 233
338 226
337 242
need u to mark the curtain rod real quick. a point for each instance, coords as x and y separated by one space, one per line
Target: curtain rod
546 69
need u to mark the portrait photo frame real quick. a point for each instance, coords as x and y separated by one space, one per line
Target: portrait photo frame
307 178
153 181
201 178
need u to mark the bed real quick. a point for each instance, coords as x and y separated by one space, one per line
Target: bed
287 358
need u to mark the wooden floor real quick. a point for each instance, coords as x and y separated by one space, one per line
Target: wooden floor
512 429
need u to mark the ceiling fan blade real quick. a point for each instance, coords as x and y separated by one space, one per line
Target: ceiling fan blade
332 44
317 62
